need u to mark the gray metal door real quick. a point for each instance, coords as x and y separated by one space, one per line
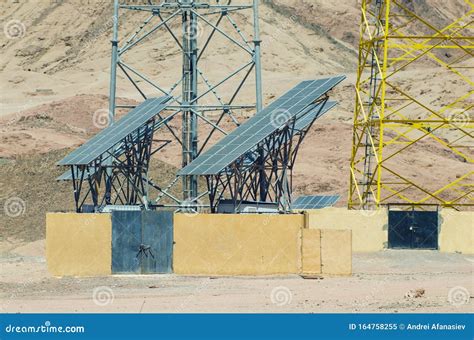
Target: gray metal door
142 242
157 237
126 240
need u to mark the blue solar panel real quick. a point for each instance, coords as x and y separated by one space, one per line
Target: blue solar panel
111 136
303 120
256 129
314 202
67 176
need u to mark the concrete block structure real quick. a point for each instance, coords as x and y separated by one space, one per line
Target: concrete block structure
369 228
311 252
79 244
312 243
239 244
224 244
456 231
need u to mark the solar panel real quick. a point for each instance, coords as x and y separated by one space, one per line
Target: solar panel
256 129
67 176
302 121
112 135
314 202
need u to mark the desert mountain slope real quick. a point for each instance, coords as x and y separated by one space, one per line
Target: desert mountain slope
55 76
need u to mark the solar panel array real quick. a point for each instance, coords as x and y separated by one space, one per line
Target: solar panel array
67 176
302 121
314 202
112 135
259 127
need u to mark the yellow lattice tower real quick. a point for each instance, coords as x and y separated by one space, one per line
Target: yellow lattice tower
400 129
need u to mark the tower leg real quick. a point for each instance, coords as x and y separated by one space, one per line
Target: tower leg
113 81
189 95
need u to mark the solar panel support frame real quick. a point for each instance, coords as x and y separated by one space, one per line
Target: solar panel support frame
270 178
126 173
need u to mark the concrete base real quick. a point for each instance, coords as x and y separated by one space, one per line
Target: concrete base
79 244
456 234
213 244
369 228
227 244
206 244
311 252
336 252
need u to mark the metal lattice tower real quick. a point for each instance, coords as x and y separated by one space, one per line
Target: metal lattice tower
394 117
193 25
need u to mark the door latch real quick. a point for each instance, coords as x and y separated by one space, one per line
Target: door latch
144 250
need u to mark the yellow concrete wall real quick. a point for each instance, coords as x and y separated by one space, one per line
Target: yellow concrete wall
456 231
79 244
336 252
311 252
225 244
369 228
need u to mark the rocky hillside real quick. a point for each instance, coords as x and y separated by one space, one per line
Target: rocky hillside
54 76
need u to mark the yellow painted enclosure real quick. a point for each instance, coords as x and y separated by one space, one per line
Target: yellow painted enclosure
206 244
79 244
311 252
369 228
316 242
336 252
456 231
215 244
227 244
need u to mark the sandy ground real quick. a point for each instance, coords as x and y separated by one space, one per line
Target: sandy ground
381 283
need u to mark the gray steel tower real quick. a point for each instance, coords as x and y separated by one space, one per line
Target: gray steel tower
195 16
